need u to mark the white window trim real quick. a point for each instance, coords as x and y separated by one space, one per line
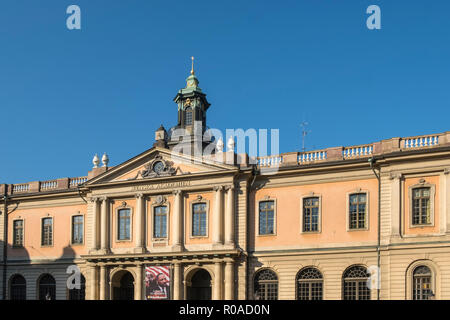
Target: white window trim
411 205
152 221
191 218
267 198
347 212
319 223
116 221
14 246
71 228
53 231
435 278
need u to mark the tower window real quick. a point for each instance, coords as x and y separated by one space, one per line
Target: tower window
188 116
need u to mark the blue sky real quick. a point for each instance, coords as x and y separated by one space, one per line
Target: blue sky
66 95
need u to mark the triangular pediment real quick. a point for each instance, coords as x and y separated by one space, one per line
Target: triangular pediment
158 163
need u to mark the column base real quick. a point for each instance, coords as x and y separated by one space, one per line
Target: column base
139 250
104 251
217 245
177 248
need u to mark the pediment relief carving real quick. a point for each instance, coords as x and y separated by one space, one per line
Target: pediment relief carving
159 167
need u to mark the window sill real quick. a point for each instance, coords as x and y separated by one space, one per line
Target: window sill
358 229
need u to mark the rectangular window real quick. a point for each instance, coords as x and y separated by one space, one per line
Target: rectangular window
357 208
160 222
188 114
18 233
47 232
266 217
124 224
77 229
421 206
199 219
311 214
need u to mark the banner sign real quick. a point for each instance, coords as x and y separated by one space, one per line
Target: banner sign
157 282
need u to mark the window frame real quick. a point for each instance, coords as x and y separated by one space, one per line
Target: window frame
152 219
266 199
117 228
199 199
277 281
38 285
357 281
309 281
189 109
367 213
10 282
42 231
72 229
14 233
435 278
302 212
432 204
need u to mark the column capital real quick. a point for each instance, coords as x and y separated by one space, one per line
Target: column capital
139 195
218 188
104 198
395 175
177 192
94 199
230 187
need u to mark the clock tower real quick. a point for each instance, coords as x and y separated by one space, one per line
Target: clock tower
192 107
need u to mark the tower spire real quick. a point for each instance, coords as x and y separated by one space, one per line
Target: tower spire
192 70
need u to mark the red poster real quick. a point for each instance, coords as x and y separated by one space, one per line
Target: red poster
157 282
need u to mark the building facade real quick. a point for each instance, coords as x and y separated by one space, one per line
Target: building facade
360 222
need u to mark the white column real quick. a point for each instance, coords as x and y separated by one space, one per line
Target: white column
218 216
140 223
218 280
102 282
95 226
229 217
229 280
93 283
177 225
104 225
446 194
396 200
177 282
138 290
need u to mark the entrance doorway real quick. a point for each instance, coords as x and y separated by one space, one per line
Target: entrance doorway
123 286
200 288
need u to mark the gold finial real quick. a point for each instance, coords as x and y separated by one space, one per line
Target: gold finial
192 71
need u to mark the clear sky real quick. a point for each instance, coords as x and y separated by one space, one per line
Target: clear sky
68 94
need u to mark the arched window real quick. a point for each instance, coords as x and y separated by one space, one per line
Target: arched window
188 116
355 283
309 284
47 287
266 285
18 288
78 293
422 283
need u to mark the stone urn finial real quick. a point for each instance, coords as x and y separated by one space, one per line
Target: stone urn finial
230 144
219 145
96 161
105 160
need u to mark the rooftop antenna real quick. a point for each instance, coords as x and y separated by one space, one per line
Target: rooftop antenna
304 124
